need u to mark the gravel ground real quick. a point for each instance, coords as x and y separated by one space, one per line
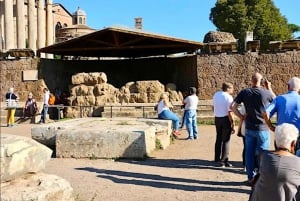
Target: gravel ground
185 171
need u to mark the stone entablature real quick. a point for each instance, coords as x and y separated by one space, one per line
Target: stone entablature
284 45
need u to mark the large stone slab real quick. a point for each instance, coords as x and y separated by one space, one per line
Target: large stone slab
46 133
21 155
163 130
37 187
110 143
105 138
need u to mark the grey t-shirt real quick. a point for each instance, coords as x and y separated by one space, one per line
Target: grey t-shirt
279 178
255 100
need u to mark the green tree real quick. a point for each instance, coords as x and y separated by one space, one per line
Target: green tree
259 16
294 28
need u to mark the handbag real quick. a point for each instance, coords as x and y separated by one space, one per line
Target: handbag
11 103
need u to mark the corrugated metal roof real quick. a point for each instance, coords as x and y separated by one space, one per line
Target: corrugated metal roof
119 41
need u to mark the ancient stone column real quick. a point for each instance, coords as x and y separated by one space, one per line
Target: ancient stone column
2 46
49 26
8 24
50 33
41 40
20 24
32 25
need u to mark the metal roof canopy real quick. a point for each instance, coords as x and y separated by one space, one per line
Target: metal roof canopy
121 42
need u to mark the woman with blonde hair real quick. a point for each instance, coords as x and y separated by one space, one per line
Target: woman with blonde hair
164 112
30 107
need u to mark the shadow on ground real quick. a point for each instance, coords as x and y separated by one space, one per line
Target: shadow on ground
186 163
158 181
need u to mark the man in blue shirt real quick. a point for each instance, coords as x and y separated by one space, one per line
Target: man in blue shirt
286 106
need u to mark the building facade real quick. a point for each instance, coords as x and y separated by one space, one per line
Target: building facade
77 28
34 24
26 24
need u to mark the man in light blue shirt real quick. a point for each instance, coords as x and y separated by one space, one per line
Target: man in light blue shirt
286 106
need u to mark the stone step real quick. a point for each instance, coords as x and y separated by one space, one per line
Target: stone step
18 114
203 112
146 110
136 114
20 120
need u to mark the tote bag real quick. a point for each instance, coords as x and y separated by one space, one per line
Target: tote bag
11 103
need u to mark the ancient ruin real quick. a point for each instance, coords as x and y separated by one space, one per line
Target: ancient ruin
217 41
91 91
104 138
22 162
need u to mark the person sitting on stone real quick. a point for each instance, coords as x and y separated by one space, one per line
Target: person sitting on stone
164 112
30 107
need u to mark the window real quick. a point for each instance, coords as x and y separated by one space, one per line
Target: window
58 26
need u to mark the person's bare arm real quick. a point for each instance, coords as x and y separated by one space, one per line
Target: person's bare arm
268 121
231 119
268 86
234 109
168 104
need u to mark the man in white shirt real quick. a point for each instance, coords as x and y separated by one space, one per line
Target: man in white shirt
223 122
45 105
191 103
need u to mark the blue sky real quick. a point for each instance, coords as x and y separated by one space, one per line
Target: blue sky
186 19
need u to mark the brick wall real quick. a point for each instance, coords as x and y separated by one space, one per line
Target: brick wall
11 75
213 70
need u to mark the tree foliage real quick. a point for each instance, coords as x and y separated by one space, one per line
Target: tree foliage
259 16
294 28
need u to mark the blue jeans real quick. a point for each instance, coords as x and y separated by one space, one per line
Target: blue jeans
44 113
183 119
256 142
168 114
191 123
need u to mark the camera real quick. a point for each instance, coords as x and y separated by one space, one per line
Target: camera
264 81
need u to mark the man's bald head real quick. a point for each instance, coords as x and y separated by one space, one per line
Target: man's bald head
256 79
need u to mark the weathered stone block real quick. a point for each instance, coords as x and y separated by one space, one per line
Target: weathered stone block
150 86
21 155
37 187
82 90
100 143
46 133
89 78
104 138
163 130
